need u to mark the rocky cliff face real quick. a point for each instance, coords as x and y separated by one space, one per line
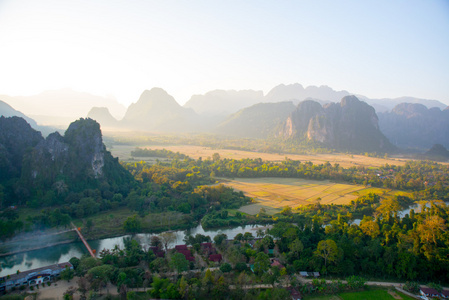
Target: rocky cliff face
412 125
77 160
297 123
86 145
349 125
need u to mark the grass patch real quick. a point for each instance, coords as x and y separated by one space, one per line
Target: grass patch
110 223
254 209
371 294
374 294
403 296
322 297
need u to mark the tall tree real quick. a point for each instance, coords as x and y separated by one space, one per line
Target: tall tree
328 250
179 263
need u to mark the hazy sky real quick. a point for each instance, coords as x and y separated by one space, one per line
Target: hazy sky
375 48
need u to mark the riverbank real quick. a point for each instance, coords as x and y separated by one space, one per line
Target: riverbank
39 240
36 248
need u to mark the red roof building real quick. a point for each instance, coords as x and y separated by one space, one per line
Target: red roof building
208 248
216 257
181 247
276 263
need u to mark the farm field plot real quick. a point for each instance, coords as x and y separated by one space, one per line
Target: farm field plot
123 152
273 194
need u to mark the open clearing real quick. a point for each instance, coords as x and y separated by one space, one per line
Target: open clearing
123 152
374 294
273 194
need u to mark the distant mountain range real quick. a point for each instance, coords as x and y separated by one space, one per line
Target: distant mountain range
345 125
297 93
413 125
60 107
220 102
7 111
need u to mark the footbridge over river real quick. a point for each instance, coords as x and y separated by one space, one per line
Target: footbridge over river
91 252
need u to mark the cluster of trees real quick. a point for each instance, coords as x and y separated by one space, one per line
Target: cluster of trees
423 177
9 223
179 187
414 247
162 153
266 145
383 245
165 277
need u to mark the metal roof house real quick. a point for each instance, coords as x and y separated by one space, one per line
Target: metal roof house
32 277
428 293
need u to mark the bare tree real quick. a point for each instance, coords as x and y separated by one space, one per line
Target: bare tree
167 238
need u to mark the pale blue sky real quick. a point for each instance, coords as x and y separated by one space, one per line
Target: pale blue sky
374 48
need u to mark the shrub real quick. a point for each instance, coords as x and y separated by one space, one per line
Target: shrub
355 282
411 286
226 268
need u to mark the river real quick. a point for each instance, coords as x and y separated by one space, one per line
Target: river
62 253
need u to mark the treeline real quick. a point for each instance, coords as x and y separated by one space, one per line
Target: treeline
266 145
410 248
184 189
162 153
429 180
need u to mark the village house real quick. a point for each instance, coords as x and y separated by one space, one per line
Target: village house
428 293
183 249
33 277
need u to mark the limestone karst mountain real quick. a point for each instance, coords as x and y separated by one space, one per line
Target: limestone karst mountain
103 116
414 126
297 93
257 121
437 152
348 125
223 103
7 111
156 110
75 161
387 104
16 138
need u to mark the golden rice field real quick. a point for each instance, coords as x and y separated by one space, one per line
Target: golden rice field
123 152
273 194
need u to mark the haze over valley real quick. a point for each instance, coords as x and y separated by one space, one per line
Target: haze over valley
224 150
